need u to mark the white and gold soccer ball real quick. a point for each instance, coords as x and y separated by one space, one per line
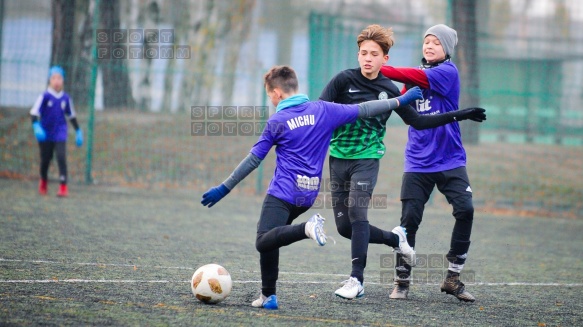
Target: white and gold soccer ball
211 283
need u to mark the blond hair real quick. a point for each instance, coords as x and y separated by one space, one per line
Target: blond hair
380 35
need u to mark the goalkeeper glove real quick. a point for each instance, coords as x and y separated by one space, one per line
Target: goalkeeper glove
79 137
39 132
214 195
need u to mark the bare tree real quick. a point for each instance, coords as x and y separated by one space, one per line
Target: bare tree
464 21
239 20
209 26
62 51
81 74
72 50
116 83
145 15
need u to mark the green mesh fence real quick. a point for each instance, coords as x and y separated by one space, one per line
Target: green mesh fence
141 73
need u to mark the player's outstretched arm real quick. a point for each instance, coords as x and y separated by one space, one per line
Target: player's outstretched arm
378 107
411 117
406 75
215 194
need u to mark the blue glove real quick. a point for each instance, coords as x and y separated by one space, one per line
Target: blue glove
79 137
411 95
214 195
39 132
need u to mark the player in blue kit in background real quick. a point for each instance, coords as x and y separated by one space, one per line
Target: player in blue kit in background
435 157
301 131
49 124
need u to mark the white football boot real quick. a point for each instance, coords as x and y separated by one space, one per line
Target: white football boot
404 248
352 289
315 229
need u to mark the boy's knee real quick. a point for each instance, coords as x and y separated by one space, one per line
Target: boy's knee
259 243
463 209
344 230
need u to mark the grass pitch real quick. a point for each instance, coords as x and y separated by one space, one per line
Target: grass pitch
124 257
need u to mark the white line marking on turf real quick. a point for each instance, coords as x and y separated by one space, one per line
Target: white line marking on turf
95 264
132 281
125 265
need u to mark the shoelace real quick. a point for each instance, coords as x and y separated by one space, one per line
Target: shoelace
350 283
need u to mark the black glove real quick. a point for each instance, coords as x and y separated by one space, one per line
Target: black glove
475 114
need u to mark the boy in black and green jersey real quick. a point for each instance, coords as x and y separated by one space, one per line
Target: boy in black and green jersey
356 148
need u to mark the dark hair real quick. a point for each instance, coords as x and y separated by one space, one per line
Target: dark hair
283 77
382 36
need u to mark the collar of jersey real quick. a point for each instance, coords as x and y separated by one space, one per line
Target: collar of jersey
426 65
292 101
55 93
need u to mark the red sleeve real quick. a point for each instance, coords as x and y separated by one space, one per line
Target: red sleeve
406 75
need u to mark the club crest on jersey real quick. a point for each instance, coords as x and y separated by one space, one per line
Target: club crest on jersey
383 95
63 104
50 103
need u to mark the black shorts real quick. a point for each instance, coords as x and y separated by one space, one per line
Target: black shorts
276 212
353 174
352 182
451 183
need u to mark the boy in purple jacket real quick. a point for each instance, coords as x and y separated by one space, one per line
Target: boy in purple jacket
50 128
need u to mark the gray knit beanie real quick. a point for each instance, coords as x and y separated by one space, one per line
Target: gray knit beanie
446 35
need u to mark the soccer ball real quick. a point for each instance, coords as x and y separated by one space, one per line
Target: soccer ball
211 283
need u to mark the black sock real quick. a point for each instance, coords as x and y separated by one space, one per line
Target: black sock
391 239
359 248
268 291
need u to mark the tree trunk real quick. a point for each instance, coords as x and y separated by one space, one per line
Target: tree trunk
148 19
240 14
63 12
80 76
179 20
169 74
198 78
117 91
1 33
211 28
464 21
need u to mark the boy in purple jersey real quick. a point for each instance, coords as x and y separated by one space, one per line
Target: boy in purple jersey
50 128
356 149
435 157
301 131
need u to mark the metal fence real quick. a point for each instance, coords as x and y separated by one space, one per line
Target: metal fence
141 73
